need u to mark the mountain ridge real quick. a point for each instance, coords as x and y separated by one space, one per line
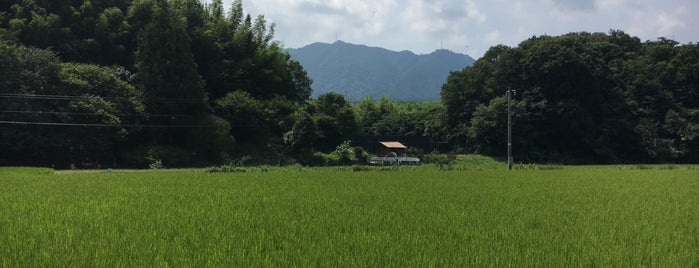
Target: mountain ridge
358 71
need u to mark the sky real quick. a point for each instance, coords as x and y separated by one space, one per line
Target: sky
469 26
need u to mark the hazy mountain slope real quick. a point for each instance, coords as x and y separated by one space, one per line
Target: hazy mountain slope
358 71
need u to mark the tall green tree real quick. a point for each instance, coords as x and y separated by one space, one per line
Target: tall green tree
25 71
166 66
104 99
188 59
367 115
302 136
583 98
335 119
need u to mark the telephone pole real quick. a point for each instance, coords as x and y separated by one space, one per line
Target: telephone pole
509 127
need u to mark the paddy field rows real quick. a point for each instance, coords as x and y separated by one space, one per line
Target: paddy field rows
414 216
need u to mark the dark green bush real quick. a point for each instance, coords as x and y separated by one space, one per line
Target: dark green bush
226 169
360 155
442 161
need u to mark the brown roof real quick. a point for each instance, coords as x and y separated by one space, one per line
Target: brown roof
393 145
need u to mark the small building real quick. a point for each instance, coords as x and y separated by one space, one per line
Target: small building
392 153
387 147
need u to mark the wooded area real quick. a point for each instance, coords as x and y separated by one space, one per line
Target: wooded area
126 83
581 98
138 83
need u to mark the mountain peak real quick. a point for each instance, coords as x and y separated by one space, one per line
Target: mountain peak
358 71
442 50
339 43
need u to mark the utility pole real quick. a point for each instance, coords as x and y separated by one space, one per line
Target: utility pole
509 127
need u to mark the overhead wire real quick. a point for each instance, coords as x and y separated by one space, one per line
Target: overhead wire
85 113
78 98
104 125
73 97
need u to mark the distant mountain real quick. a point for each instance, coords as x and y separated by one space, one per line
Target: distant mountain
358 71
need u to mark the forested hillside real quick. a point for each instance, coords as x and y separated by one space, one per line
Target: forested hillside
177 83
138 82
581 98
357 71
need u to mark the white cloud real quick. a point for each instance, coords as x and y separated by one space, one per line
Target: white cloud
474 13
669 22
575 5
422 25
493 37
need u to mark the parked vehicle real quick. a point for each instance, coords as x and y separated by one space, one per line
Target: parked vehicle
393 159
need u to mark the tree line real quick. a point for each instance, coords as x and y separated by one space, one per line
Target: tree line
138 83
173 83
580 98
124 83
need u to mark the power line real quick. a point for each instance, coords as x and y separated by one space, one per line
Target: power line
83 113
71 97
103 125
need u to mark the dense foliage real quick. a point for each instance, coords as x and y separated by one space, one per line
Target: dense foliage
169 83
134 82
581 98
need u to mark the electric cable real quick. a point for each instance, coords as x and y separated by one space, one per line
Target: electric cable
103 125
85 113
71 97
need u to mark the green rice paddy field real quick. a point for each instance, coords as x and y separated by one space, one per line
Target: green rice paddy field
300 217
